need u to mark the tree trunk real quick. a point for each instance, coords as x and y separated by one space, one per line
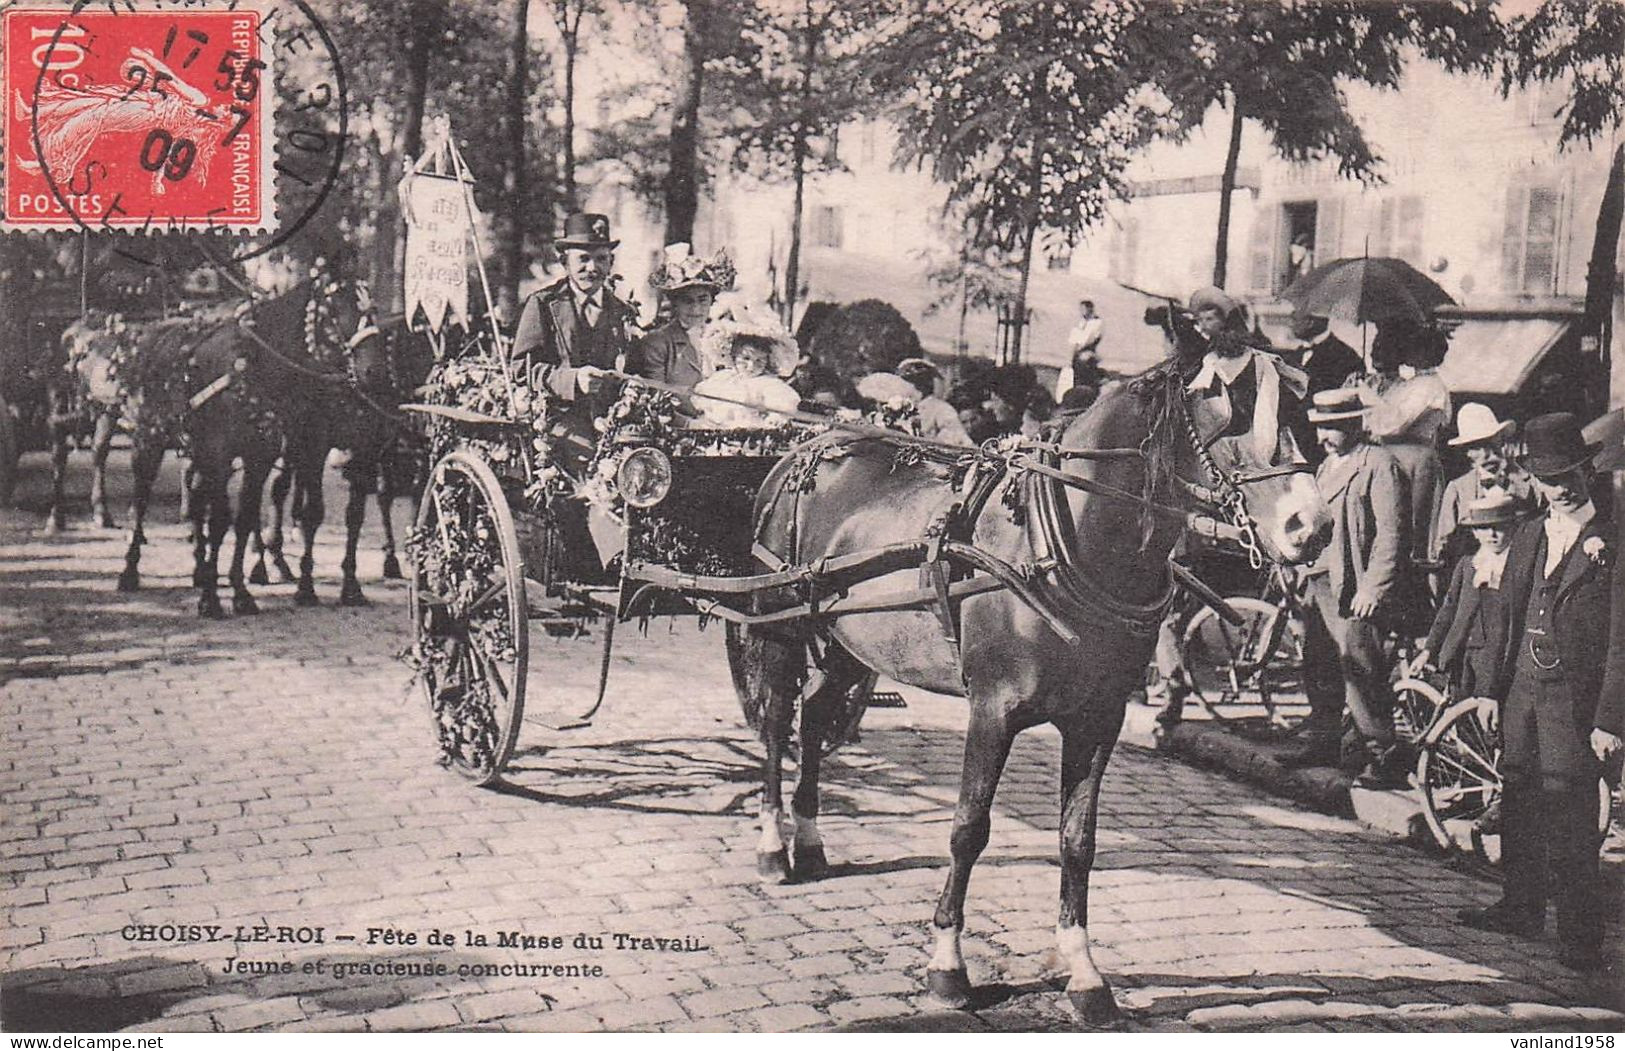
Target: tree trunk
571 45
1227 187
1020 320
682 176
798 170
1601 277
426 16
513 175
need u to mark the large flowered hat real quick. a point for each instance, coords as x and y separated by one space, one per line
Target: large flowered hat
681 268
717 342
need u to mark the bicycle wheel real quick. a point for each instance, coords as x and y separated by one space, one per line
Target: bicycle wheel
1416 704
1458 770
1224 662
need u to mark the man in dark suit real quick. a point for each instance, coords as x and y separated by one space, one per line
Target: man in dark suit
1556 587
574 330
1328 362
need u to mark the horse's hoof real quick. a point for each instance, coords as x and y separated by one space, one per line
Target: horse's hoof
54 525
774 867
1095 1005
243 602
392 568
810 863
105 520
350 595
306 596
129 580
208 606
949 988
284 571
258 575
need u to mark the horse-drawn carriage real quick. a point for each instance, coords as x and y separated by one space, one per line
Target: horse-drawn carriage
510 547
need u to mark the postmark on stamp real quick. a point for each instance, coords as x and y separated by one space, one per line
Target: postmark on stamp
163 117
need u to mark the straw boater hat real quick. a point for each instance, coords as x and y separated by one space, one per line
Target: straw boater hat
681 268
717 341
1338 405
585 230
1477 424
1553 445
1495 507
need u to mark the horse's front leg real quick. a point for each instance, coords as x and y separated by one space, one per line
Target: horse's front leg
386 506
1085 749
215 501
309 512
99 449
772 860
272 538
255 469
147 457
987 746
61 424
363 479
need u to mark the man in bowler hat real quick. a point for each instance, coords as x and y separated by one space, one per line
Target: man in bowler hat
574 330
1556 589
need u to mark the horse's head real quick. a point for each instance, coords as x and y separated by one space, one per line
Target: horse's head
1250 474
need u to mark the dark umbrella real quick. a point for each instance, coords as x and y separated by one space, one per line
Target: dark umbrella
1367 289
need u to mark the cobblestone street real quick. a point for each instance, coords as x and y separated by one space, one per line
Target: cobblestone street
278 771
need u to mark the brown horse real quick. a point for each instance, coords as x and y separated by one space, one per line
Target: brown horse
1100 560
383 364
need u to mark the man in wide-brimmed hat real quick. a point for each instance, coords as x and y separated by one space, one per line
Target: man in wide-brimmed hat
575 329
1483 436
690 283
1556 588
1358 587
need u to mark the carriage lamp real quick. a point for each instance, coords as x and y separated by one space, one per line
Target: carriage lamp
644 477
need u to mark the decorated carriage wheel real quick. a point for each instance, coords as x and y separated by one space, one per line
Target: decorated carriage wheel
469 628
751 662
1223 660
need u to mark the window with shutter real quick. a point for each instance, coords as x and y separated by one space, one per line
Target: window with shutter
827 226
1529 239
1329 230
1261 269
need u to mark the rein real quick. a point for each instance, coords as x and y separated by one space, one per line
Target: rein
335 379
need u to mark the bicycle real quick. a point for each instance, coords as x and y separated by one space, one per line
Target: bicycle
1459 778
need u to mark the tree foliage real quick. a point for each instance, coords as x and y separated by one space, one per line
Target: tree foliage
1582 42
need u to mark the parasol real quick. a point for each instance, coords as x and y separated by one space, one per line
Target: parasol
1367 290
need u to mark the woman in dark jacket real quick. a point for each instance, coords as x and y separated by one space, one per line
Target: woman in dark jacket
690 284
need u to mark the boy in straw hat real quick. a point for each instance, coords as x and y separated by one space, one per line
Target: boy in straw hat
1555 728
1469 630
1357 588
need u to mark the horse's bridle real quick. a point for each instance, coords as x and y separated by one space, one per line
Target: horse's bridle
1226 492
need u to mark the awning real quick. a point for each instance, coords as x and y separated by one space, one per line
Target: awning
1496 357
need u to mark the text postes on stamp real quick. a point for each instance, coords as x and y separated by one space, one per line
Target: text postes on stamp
149 116
121 119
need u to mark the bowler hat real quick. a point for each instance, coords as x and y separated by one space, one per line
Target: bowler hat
1477 424
585 230
1308 326
1495 507
1338 405
1553 445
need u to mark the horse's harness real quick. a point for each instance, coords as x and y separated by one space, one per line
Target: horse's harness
1053 583
321 330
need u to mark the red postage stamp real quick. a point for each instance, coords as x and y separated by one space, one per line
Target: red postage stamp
120 118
